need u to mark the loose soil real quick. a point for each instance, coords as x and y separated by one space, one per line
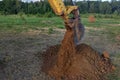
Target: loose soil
70 62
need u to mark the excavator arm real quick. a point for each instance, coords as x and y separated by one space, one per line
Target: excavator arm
60 9
63 11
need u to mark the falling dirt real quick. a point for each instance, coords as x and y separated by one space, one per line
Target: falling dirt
70 62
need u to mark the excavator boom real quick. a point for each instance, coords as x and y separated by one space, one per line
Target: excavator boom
58 6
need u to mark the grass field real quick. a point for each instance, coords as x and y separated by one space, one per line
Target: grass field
22 38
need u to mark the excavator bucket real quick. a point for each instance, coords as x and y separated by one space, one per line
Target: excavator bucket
78 32
78 26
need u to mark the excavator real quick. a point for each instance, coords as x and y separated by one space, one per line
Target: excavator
70 15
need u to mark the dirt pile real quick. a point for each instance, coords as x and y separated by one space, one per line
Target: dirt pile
70 62
91 19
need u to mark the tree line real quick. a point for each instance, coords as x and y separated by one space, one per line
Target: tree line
43 7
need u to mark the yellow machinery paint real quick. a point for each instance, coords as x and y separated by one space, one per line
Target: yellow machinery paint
60 9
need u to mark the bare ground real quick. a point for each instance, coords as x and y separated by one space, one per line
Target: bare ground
20 54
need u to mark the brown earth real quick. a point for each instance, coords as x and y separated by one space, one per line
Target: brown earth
70 62
91 19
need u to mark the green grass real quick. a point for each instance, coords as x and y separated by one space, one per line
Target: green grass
18 24
100 22
13 20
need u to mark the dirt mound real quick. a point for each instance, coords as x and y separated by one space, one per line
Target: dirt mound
70 62
91 19
87 64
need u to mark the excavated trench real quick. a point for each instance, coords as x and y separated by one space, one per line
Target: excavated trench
69 62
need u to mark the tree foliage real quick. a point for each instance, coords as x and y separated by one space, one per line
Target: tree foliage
43 7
